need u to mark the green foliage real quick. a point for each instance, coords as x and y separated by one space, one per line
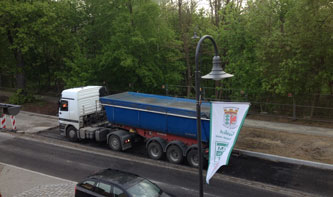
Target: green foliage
271 46
278 46
21 97
142 50
41 32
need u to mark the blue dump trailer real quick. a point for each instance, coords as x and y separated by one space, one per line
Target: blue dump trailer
168 115
167 124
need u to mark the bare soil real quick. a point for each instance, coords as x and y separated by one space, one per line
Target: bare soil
305 122
41 107
299 146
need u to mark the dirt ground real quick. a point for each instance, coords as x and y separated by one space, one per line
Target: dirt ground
299 146
41 107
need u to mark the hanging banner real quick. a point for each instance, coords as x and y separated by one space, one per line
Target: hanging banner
227 119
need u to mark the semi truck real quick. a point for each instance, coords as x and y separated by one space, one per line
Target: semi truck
167 125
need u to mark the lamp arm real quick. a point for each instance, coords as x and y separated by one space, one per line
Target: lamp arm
197 70
197 51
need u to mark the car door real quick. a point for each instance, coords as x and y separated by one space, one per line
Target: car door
64 114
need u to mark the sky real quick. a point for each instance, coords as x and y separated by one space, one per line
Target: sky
203 4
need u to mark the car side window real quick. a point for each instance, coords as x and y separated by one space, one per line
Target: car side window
63 105
89 185
103 189
117 192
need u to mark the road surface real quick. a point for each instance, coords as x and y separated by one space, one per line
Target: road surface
73 164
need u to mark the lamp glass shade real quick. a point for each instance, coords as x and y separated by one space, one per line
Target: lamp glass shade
217 72
195 36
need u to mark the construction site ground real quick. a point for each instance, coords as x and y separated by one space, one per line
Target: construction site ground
311 147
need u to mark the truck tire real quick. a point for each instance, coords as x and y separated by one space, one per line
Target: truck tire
72 134
155 150
193 158
174 154
114 143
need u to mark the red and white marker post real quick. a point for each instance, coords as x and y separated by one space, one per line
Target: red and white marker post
3 121
12 118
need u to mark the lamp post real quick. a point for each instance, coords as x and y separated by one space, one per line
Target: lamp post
217 73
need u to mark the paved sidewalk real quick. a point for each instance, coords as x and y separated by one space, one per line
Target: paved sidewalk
27 122
19 182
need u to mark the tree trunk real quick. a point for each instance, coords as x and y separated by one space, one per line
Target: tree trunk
314 104
180 3
189 70
130 8
185 48
20 79
215 7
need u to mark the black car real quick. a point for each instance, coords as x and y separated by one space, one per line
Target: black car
116 183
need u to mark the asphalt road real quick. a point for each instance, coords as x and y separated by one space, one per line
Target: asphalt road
73 165
297 177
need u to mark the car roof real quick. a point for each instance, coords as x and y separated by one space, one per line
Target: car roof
125 179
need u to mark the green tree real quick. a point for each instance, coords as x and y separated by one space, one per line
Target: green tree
38 37
124 43
238 51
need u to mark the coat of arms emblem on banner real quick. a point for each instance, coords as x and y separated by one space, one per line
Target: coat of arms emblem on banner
230 117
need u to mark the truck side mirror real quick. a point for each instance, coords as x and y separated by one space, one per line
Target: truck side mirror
103 91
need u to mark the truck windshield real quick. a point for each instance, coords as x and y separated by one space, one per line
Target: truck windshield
144 188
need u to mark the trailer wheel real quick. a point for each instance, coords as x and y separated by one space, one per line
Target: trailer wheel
174 154
72 134
155 150
114 143
193 158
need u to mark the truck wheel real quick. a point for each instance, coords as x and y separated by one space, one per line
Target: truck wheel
114 143
155 150
174 154
72 134
193 158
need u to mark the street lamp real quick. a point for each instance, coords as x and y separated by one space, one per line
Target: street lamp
217 73
195 36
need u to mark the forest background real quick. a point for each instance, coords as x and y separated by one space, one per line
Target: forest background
280 51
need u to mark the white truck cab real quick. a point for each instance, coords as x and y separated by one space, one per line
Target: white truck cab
81 116
76 107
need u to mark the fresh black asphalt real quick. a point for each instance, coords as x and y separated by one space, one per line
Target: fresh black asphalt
74 165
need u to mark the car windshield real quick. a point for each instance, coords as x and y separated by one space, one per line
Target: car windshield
145 189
